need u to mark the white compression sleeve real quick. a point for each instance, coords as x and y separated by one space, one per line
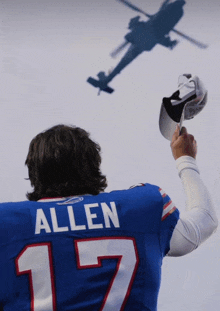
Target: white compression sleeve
200 220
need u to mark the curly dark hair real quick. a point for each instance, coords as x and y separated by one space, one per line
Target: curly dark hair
64 161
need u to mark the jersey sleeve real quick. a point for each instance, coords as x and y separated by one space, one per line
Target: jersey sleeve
169 219
166 215
168 206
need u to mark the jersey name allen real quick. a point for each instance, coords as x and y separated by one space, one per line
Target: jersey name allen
109 213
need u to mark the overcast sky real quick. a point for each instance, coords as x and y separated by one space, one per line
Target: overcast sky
48 50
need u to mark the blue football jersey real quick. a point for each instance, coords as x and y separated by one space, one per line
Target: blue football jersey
85 253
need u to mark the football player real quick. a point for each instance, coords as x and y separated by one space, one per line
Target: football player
72 246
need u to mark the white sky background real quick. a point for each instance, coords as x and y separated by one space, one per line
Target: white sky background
48 50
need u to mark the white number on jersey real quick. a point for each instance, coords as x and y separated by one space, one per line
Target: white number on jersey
36 261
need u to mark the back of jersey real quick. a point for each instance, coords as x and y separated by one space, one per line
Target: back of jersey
87 253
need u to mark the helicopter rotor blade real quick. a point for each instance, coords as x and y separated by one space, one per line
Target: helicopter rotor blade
119 49
133 7
196 42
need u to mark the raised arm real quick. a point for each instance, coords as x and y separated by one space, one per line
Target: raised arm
199 220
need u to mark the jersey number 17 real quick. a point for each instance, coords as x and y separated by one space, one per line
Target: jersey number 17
36 260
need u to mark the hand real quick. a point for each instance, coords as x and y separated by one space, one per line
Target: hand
183 144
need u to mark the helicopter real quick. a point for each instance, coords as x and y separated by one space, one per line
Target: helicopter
143 36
